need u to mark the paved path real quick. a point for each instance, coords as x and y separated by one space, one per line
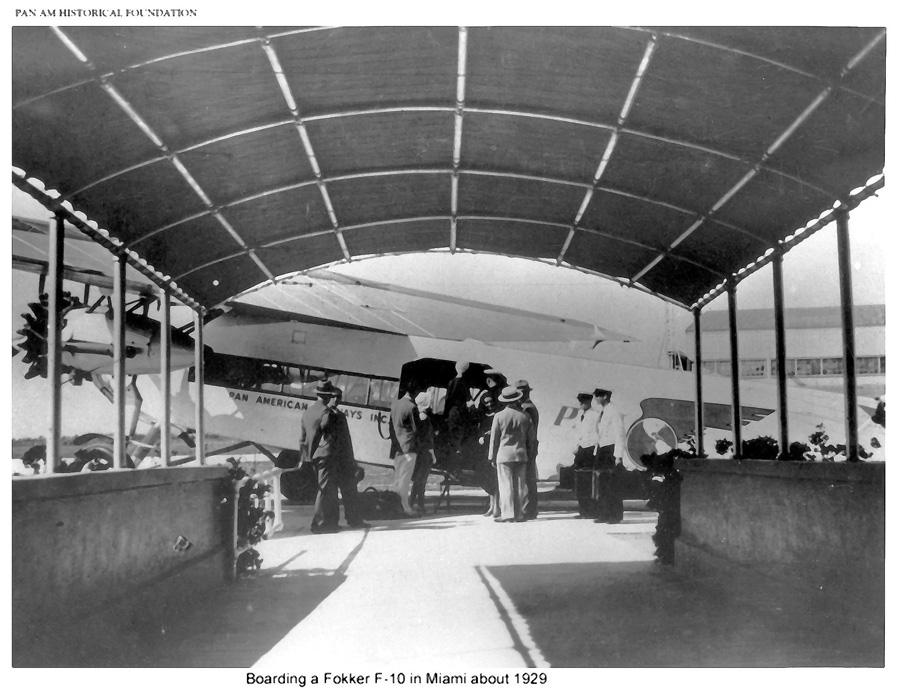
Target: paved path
458 591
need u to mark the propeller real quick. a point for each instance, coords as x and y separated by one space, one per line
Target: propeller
34 333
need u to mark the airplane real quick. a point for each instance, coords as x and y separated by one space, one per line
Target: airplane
261 365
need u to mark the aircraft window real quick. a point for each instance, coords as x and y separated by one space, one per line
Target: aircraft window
300 382
883 367
355 388
753 368
383 392
809 367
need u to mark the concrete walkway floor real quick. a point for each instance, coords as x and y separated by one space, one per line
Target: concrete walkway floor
455 590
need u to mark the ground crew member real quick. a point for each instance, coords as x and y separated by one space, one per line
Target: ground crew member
585 451
610 450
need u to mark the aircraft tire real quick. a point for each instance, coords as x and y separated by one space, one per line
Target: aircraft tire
300 484
287 459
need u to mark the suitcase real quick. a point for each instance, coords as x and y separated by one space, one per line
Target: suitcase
587 485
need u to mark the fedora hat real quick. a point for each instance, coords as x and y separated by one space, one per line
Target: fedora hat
510 394
523 385
325 387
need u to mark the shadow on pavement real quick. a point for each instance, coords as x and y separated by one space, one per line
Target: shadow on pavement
639 614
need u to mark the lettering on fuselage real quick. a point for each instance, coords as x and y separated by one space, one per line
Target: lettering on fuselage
565 414
289 404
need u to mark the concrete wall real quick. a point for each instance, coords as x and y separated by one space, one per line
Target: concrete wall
89 546
808 518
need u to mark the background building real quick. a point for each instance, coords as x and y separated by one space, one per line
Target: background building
813 342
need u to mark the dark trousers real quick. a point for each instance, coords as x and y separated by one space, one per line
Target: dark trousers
530 505
327 511
424 463
609 503
346 482
585 459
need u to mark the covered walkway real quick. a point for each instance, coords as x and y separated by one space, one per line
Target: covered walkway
453 592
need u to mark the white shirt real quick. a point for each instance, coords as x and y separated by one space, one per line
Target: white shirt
586 429
610 428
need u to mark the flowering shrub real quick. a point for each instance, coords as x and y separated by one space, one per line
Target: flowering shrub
819 448
251 517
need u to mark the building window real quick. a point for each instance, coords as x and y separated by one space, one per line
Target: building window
753 368
809 367
832 367
720 368
790 366
868 365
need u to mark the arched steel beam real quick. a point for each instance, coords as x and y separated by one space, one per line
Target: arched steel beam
611 144
502 219
778 64
150 133
439 171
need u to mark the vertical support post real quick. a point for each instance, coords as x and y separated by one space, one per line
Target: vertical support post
165 379
735 371
54 340
846 283
200 446
698 375
119 362
780 355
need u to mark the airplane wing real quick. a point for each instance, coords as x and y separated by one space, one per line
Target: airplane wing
392 308
328 296
86 262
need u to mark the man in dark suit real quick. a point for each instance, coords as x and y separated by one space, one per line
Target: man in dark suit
530 507
317 447
348 472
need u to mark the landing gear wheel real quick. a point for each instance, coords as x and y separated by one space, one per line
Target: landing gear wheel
297 484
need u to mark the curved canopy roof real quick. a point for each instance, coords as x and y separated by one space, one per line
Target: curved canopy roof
668 159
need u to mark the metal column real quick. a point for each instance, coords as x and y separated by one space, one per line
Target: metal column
119 445
735 372
200 446
54 341
851 421
165 378
698 375
780 355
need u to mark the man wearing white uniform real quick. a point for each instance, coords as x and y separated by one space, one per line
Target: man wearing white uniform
585 455
610 450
